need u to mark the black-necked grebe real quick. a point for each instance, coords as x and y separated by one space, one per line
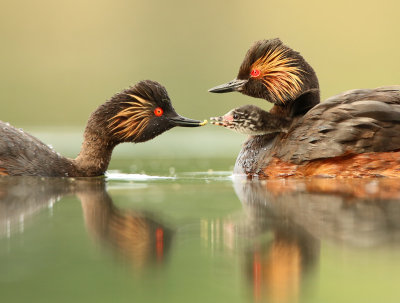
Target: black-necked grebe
136 114
354 134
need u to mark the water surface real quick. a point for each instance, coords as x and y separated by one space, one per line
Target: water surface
183 232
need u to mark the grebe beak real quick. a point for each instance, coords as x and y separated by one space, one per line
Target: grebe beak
217 120
222 120
232 86
185 122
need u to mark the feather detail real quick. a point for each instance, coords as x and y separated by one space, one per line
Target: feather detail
131 121
279 74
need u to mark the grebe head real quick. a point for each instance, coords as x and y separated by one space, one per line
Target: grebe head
252 120
272 71
139 113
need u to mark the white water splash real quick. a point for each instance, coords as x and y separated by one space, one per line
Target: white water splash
115 176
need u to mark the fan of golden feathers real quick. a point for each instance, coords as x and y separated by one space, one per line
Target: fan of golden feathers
279 73
132 120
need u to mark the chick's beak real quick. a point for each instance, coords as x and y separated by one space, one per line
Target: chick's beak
185 122
232 86
217 120
225 120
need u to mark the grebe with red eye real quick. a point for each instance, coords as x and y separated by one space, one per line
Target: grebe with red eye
136 114
354 134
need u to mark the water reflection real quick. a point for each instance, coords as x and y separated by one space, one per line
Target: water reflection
135 236
22 197
273 244
295 217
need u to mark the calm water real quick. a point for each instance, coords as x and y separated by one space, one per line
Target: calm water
197 235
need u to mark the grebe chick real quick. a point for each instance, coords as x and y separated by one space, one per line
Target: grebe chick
136 114
353 134
252 120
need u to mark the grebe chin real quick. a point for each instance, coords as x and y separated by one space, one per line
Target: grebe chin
353 134
136 114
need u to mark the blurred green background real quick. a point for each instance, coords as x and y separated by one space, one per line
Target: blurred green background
61 59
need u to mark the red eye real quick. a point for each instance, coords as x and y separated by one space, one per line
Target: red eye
255 73
158 111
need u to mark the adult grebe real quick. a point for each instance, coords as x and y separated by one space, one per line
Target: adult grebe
354 134
136 114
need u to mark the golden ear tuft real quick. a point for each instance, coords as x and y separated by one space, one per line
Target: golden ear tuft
132 120
280 74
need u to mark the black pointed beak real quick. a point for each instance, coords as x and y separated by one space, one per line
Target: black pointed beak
232 86
185 122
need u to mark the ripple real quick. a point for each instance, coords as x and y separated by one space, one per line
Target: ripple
208 175
116 176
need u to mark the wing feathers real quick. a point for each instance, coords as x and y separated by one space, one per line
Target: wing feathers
354 122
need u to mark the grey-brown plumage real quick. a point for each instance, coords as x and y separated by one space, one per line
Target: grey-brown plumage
252 120
136 114
358 121
355 122
23 154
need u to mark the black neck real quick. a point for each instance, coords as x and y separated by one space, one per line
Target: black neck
305 102
300 106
